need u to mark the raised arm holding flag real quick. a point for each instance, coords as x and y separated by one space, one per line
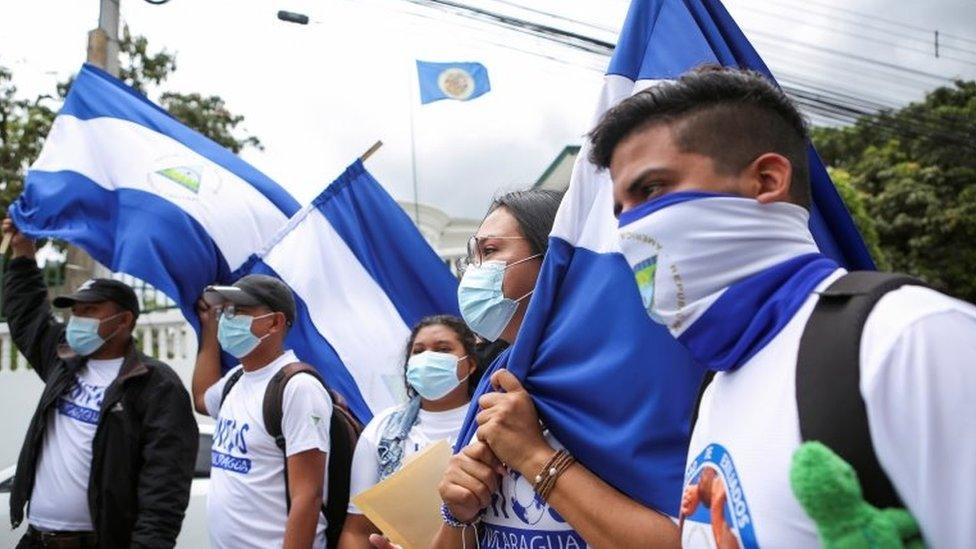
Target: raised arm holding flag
143 194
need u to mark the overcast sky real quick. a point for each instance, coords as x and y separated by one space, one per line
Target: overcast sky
318 96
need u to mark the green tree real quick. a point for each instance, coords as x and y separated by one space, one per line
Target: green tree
209 116
24 123
915 169
857 203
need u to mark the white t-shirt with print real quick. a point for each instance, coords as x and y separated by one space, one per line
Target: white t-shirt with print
246 506
59 500
518 518
918 378
430 427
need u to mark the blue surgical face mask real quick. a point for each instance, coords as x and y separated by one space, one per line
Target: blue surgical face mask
82 334
484 307
234 334
432 374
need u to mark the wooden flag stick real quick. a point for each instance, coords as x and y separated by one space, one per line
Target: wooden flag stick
5 245
371 150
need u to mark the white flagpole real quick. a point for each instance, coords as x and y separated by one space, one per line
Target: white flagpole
414 83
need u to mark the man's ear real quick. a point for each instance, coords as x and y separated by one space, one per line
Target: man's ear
773 176
280 322
129 320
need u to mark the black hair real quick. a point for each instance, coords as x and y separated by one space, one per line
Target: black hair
729 115
534 210
468 340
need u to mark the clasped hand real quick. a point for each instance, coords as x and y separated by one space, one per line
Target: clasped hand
509 436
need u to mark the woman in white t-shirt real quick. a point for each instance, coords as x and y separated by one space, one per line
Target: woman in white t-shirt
441 371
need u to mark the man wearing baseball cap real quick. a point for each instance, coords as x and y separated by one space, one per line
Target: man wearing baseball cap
108 458
253 487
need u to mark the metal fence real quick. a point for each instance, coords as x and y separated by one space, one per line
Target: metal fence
161 334
150 298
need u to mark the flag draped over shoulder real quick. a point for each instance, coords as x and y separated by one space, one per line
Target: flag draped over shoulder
145 195
362 275
611 385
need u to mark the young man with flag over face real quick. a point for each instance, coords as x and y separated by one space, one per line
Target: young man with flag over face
108 458
711 187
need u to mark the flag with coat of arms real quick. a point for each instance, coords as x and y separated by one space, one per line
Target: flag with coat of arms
457 81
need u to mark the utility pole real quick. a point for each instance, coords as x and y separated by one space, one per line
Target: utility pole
103 41
103 52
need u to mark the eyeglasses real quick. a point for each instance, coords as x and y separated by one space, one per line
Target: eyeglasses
228 311
475 253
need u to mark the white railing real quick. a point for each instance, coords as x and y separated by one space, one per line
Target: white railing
162 334
166 336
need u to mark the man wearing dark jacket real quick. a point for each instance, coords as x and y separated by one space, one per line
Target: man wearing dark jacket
108 458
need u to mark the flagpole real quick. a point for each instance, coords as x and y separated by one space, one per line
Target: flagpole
413 153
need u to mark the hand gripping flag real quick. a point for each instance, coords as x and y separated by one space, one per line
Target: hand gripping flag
362 275
458 81
145 195
611 385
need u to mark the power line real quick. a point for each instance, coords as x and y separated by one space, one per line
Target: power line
872 77
926 38
571 39
877 18
604 47
780 40
838 30
557 16
825 103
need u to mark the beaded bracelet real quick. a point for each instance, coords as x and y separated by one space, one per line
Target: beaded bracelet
545 481
453 522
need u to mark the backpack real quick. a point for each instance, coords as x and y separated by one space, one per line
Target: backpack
344 431
828 395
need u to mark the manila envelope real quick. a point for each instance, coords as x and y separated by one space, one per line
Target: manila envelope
406 506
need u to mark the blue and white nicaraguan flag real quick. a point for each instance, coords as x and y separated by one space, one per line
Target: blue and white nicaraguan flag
362 275
145 195
610 384
458 81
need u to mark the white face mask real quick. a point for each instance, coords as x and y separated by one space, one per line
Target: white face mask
686 248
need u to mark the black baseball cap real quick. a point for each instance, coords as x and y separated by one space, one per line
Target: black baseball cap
97 290
256 290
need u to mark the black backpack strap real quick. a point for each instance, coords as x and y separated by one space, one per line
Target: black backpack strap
344 432
229 384
828 394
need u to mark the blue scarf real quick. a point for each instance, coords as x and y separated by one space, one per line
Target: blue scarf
391 446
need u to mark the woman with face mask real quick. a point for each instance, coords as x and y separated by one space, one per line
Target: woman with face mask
514 484
499 274
441 368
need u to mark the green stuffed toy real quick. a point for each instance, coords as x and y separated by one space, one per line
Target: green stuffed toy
828 489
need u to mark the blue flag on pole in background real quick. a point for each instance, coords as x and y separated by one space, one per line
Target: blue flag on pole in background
459 81
362 275
143 194
610 384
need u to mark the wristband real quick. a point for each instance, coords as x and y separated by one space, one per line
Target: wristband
545 481
453 522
